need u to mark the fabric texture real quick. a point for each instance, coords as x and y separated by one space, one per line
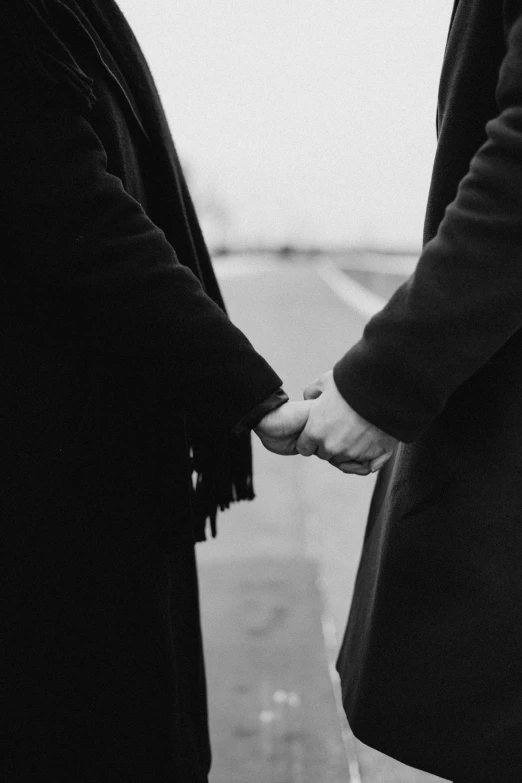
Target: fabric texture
431 663
120 373
150 288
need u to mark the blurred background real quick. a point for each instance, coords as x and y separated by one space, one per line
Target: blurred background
300 122
307 133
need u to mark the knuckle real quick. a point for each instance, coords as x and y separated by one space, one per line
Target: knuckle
305 449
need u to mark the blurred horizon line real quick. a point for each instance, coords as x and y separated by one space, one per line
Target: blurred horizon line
288 250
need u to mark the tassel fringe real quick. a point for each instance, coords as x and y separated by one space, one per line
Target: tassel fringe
224 476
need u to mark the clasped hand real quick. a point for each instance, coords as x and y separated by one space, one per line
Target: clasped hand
325 425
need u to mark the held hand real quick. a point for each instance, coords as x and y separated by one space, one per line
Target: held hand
335 432
280 429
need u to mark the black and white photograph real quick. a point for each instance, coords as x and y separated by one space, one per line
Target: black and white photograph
261 391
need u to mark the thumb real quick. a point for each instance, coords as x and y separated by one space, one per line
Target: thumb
313 390
306 445
287 420
378 463
294 416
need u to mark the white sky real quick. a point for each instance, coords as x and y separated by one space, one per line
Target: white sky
301 121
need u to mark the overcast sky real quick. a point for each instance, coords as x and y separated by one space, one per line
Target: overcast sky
301 121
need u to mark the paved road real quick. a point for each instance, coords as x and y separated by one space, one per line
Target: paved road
276 583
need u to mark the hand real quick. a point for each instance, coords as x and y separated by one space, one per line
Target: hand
280 428
335 432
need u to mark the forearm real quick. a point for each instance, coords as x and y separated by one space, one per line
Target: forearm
74 235
464 301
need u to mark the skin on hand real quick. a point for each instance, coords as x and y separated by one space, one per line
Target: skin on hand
279 429
335 432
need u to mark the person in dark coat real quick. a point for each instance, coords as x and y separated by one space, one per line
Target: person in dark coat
431 663
121 379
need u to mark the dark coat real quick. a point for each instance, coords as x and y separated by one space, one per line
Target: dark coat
431 664
115 355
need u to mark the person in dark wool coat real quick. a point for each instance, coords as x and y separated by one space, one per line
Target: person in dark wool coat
431 663
121 378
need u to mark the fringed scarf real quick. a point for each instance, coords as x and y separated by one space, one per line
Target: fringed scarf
40 29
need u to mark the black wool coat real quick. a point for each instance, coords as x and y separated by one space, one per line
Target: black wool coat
115 354
431 664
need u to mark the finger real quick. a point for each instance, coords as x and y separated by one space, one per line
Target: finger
282 446
301 414
323 453
346 458
359 451
355 468
286 421
313 390
379 462
306 445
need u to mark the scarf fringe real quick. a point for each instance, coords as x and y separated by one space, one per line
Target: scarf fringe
224 476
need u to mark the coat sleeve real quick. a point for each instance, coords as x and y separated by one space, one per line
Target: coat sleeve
464 300
72 233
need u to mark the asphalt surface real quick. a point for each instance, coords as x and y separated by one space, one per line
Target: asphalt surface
276 584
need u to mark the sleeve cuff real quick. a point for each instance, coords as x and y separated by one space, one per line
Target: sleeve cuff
252 419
